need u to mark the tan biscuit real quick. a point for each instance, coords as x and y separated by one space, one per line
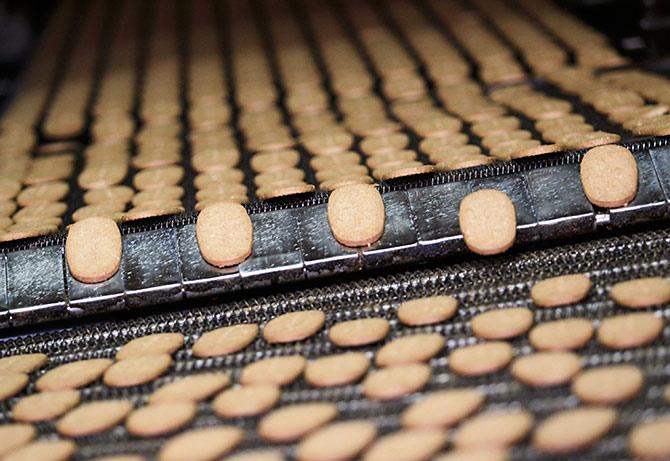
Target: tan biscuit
649 439
641 293
14 436
391 142
358 332
507 150
260 454
560 335
327 143
28 230
572 430
11 384
280 370
340 441
153 178
543 149
494 429
7 208
42 210
609 176
9 188
135 214
160 419
225 340
342 170
121 458
210 178
403 170
93 249
495 126
225 234
608 384
465 161
487 219
437 144
587 140
507 138
153 195
410 349
502 323
109 210
154 344
293 326
201 444
408 445
546 369
337 370
480 359
284 189
102 175
395 382
332 184
45 406
325 162
248 400
221 193
437 126
44 450
484 454
267 179
72 375
442 408
23 363
137 370
629 330
292 422
455 152
356 215
43 193
192 388
427 311
561 290
379 160
207 159
93 417
267 161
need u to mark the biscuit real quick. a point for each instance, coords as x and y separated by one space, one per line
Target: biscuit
14 436
137 213
641 293
201 444
339 441
293 326
157 343
160 419
93 249
407 444
410 349
193 388
391 142
572 430
154 178
396 381
609 176
11 384
629 330
487 219
153 195
356 215
480 359
484 454
567 334
93 418
267 161
122 458
109 210
44 450
337 370
134 371
649 439
9 188
496 428
257 455
280 370
590 139
247 400
560 290
358 332
443 408
23 363
284 189
72 375
546 369
225 340
608 385
427 311
402 170
225 234
45 406
290 423
502 323
43 193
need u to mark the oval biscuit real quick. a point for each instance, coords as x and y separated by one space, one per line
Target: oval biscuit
561 290
225 234
609 176
356 214
487 219
571 430
93 249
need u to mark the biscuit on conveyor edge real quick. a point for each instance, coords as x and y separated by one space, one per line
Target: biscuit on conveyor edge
487 219
93 249
225 234
356 215
609 176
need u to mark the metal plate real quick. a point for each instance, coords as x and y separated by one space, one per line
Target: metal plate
88 298
276 251
660 157
35 285
152 272
435 212
199 277
4 309
559 201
